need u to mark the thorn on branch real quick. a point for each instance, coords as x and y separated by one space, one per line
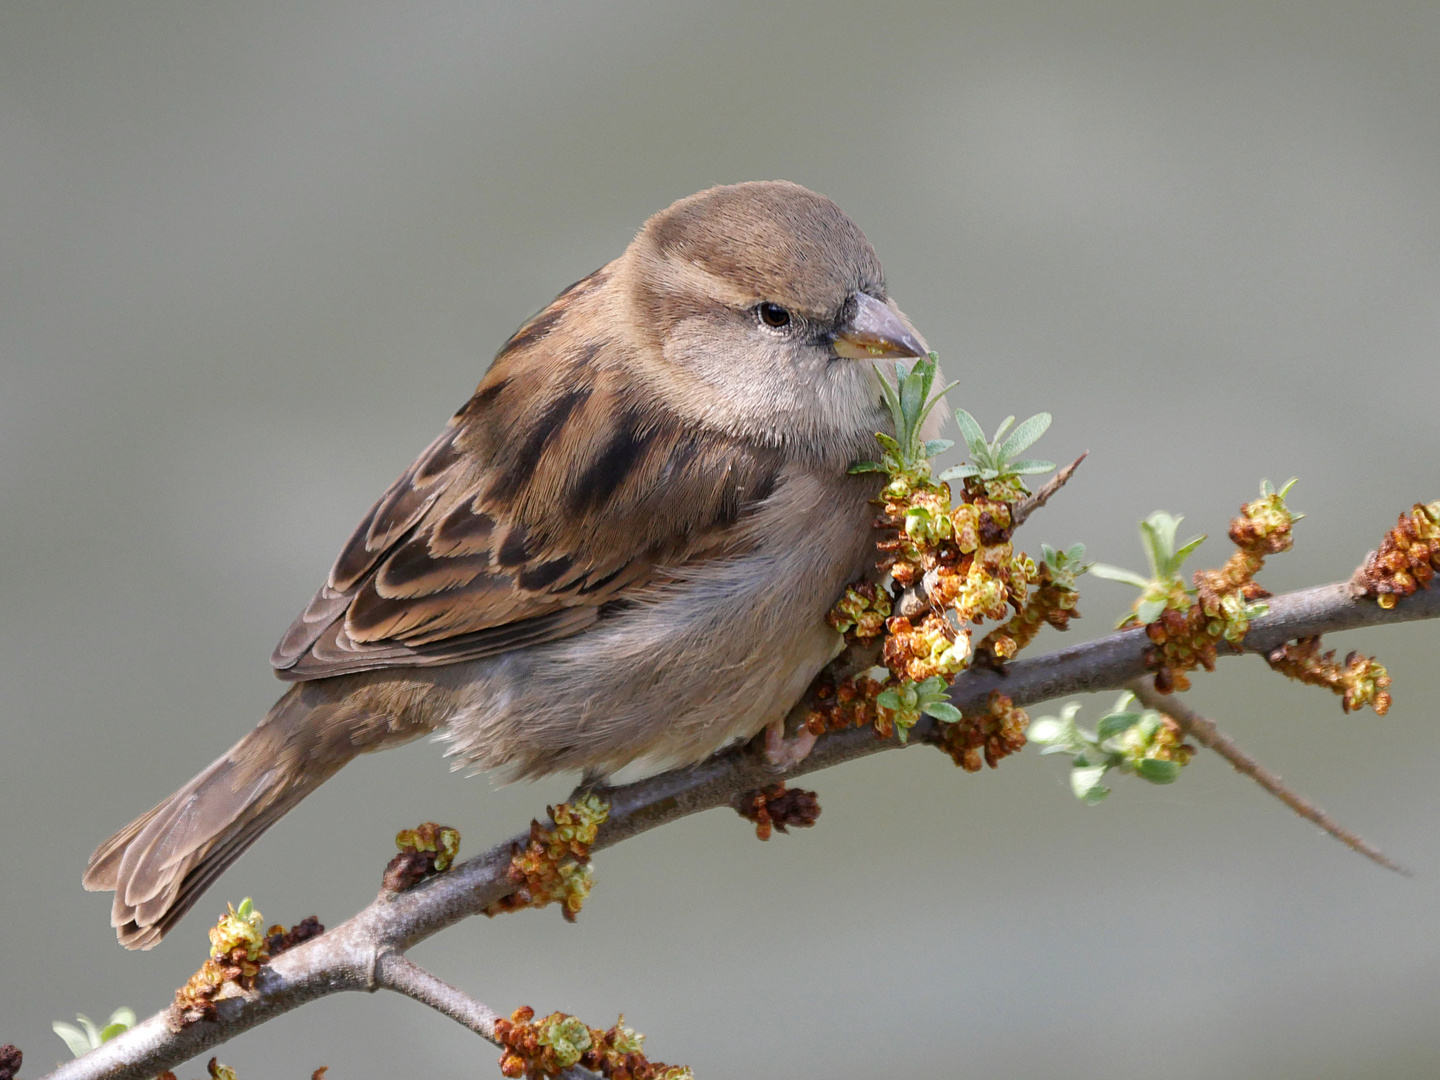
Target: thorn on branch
1028 505
780 808
1208 735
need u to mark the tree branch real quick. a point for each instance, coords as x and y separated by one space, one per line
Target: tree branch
1208 735
404 976
361 953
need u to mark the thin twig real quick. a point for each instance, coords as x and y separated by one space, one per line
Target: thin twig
347 957
1025 507
404 976
1211 737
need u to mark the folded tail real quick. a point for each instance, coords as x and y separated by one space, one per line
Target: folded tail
162 862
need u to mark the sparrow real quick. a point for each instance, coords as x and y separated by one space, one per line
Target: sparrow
620 550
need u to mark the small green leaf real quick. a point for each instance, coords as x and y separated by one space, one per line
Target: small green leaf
1115 573
124 1016
1025 436
1074 553
1185 551
1029 468
1085 783
959 472
1147 611
1157 771
943 710
888 699
78 1042
912 394
938 446
971 432
92 1032
865 467
1000 432
1161 527
1115 724
109 1031
1046 730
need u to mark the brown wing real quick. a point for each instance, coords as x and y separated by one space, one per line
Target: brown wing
556 490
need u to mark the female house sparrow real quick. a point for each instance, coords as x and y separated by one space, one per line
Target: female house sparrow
623 547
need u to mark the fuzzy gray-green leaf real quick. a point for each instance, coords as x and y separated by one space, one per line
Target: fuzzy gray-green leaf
1029 467
1117 573
1025 436
959 472
971 432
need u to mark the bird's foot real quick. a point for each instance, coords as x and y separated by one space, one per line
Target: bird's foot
782 753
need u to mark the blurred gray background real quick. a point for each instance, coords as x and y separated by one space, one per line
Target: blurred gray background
252 255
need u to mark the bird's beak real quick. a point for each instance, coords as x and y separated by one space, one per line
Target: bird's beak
876 332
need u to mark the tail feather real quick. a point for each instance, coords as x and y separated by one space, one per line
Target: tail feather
161 863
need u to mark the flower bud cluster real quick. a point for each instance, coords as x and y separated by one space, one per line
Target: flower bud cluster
1359 681
238 949
554 866
542 1049
278 939
850 702
1188 635
997 733
425 850
957 566
860 614
948 563
1407 558
779 807
1053 603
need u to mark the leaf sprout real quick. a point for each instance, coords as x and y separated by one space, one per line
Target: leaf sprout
1164 587
993 462
81 1040
1141 742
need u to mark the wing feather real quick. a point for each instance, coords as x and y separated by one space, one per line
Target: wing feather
556 490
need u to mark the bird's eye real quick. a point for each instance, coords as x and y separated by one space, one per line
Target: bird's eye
773 315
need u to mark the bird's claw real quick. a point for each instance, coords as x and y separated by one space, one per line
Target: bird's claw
781 753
